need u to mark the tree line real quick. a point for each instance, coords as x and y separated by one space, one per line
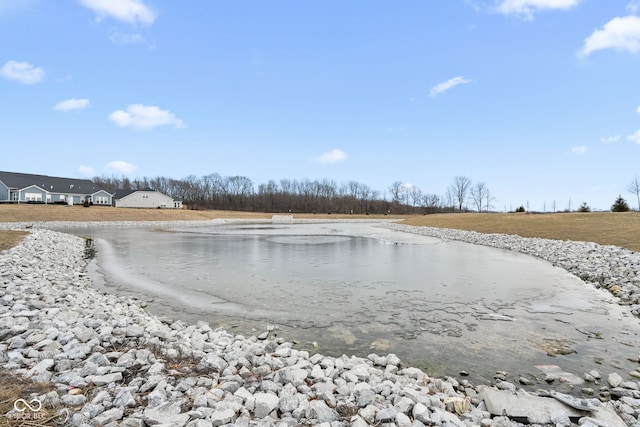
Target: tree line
214 191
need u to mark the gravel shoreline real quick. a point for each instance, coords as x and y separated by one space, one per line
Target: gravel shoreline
114 364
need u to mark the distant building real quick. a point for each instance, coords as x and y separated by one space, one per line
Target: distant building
145 198
28 188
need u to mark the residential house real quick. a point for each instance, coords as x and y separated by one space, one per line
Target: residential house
29 188
144 198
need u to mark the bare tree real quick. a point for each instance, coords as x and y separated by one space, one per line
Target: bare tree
431 203
460 189
416 196
479 193
634 188
396 191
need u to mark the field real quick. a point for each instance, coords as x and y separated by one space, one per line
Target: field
620 229
606 228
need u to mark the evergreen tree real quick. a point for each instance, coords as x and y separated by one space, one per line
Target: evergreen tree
584 207
620 205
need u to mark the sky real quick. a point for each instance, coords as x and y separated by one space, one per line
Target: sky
538 99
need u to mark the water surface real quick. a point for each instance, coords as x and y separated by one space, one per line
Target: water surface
357 288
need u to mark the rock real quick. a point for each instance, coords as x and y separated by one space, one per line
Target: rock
537 410
100 380
223 417
109 416
167 413
265 403
614 380
321 412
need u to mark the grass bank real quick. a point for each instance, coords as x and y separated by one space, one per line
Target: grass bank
605 228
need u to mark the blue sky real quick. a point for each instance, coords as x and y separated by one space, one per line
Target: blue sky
539 99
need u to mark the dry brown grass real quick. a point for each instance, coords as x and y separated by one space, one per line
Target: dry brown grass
606 228
10 238
28 213
12 388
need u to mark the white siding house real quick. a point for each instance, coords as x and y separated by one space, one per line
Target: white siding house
145 198
29 188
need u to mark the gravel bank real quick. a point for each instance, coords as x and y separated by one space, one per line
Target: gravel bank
114 364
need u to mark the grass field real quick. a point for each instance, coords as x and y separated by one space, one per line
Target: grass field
607 228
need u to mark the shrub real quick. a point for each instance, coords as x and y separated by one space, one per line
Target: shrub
520 209
620 205
584 207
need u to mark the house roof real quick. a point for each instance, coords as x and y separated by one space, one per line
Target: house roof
52 184
120 194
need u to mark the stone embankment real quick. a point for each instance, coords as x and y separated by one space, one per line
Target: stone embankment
113 364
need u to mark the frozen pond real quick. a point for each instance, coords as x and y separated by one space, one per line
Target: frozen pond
356 288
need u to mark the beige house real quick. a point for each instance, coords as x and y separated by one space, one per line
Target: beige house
145 198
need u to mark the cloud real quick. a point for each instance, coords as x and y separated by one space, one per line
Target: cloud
120 166
527 8
634 7
622 34
610 139
333 156
145 117
71 104
86 170
121 38
638 110
445 86
580 149
129 11
635 137
22 72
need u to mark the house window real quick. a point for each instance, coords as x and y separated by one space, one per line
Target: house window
101 200
33 197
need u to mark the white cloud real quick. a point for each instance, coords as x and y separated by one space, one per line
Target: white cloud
527 8
122 38
71 104
581 149
634 7
445 86
635 137
120 166
610 139
621 34
86 170
333 156
145 117
129 11
638 110
22 72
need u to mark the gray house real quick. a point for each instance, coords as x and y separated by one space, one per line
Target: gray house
28 188
145 198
